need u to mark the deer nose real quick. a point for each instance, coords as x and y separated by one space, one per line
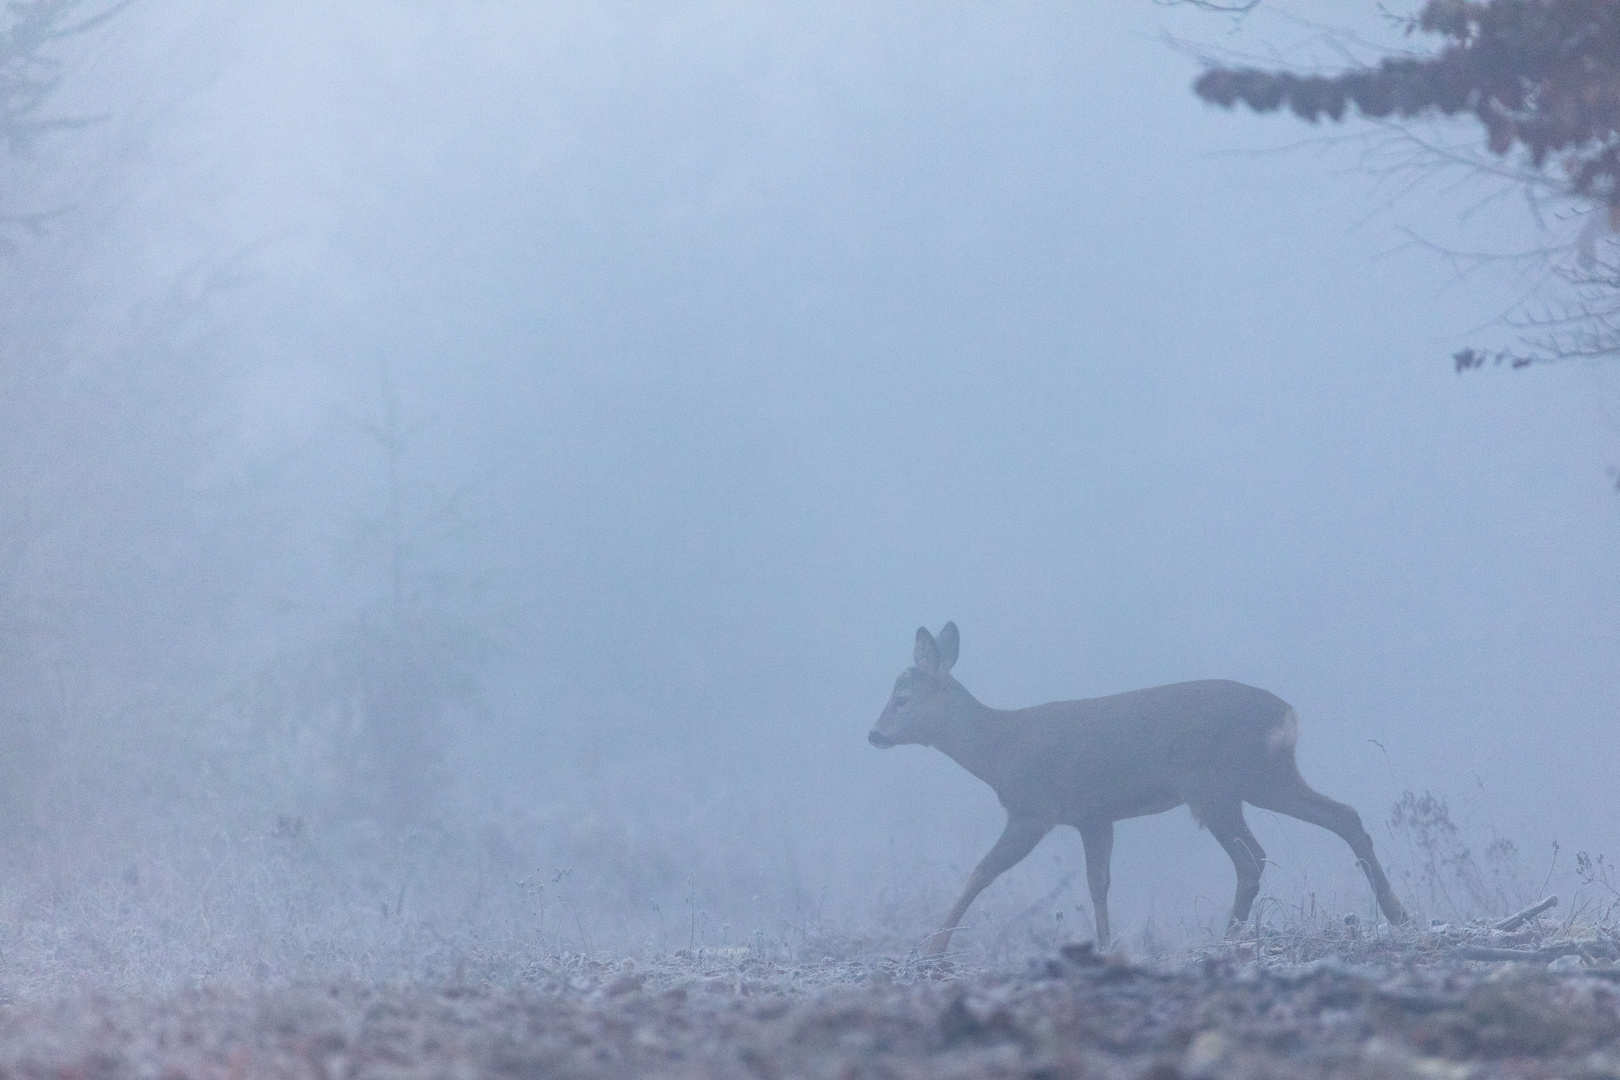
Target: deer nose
879 741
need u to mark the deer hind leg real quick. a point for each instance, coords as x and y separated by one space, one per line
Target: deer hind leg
1017 840
1226 824
1098 838
1296 799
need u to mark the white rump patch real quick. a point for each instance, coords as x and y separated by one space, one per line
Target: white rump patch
1285 735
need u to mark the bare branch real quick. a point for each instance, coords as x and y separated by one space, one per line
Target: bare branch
1241 8
1512 922
29 77
1542 80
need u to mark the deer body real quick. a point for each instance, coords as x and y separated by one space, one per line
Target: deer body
1212 745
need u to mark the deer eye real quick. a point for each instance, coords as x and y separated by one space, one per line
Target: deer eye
900 701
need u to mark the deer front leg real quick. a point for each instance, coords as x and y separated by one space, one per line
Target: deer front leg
1098 838
1017 840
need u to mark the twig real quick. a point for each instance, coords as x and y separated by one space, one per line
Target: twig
1552 866
1033 909
1484 952
1512 922
1481 952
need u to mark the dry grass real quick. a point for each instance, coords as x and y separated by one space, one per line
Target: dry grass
588 945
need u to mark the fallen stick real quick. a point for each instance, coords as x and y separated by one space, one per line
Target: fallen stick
1481 952
1485 952
1513 921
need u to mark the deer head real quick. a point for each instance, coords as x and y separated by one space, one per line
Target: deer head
924 695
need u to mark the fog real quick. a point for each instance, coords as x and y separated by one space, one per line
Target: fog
465 458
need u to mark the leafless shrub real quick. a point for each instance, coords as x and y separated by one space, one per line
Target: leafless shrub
1446 874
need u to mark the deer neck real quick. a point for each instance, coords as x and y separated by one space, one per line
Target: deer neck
968 735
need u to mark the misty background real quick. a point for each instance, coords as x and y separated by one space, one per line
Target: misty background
472 474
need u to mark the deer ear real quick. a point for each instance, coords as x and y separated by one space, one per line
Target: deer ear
950 643
927 653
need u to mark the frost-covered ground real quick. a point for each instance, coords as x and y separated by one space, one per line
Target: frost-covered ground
1384 1004
253 950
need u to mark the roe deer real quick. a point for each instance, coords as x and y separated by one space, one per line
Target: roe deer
1213 745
